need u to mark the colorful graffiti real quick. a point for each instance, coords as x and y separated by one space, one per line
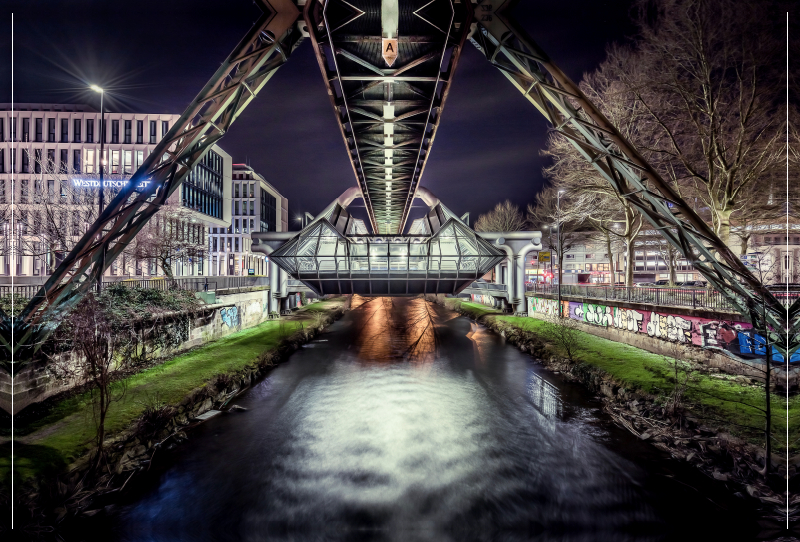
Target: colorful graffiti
736 339
483 299
548 306
230 316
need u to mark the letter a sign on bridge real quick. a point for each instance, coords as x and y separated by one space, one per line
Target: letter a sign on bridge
390 50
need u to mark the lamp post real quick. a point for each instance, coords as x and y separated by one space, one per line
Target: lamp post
560 256
102 167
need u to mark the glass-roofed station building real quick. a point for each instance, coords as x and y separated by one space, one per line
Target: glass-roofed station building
335 253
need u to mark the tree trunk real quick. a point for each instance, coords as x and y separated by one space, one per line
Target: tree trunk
629 263
166 267
610 257
671 256
724 220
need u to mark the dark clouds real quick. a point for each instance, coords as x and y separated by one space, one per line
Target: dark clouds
158 54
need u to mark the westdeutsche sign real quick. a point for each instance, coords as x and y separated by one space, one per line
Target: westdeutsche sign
91 183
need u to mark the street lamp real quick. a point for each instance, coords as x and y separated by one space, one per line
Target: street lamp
560 256
102 167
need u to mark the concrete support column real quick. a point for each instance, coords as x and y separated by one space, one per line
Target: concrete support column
274 287
519 282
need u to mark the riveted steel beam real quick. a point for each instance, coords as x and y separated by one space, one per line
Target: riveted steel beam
509 48
264 48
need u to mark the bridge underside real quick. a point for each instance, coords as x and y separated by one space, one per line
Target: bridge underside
333 255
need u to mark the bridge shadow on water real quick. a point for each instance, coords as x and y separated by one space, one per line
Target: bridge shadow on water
405 422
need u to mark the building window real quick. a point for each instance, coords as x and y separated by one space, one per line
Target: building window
76 131
51 130
13 160
37 160
26 130
139 132
37 135
89 160
25 161
235 205
2 130
128 162
2 162
569 256
64 130
164 128
236 227
115 161
269 213
104 131
202 189
128 131
76 161
62 166
90 130
590 256
114 131
236 190
152 132
139 159
236 243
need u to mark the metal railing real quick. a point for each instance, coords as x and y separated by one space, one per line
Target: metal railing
694 297
195 284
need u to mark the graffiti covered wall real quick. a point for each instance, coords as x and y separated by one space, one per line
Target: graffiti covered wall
735 339
483 299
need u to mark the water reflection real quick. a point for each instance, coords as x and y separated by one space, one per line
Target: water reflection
405 423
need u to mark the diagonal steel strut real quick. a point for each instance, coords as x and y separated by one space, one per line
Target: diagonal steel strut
265 47
560 100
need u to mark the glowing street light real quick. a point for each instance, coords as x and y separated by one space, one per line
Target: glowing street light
102 167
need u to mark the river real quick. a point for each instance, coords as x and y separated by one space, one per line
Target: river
405 422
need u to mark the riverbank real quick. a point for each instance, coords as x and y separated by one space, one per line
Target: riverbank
715 427
52 452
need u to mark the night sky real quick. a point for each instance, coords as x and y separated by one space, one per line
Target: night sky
154 56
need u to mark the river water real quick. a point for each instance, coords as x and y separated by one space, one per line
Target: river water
406 422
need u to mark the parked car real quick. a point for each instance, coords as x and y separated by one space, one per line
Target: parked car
662 282
644 284
693 284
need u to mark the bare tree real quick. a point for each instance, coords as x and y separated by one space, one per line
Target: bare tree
565 228
706 74
504 217
86 349
609 212
56 207
172 236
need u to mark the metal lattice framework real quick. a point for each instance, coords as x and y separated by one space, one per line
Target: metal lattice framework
571 114
388 110
388 116
265 47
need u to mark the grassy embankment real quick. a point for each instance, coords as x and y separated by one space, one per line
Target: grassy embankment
66 432
717 399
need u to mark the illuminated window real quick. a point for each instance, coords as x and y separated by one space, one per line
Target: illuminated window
128 162
114 161
89 161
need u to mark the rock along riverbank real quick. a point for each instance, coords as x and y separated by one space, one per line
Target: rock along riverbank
719 455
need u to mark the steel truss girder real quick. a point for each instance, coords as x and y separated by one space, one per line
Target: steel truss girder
508 47
360 85
263 49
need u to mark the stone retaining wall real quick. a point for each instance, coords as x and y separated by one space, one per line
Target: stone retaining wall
231 313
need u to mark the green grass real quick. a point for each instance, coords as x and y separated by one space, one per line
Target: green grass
66 432
717 400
